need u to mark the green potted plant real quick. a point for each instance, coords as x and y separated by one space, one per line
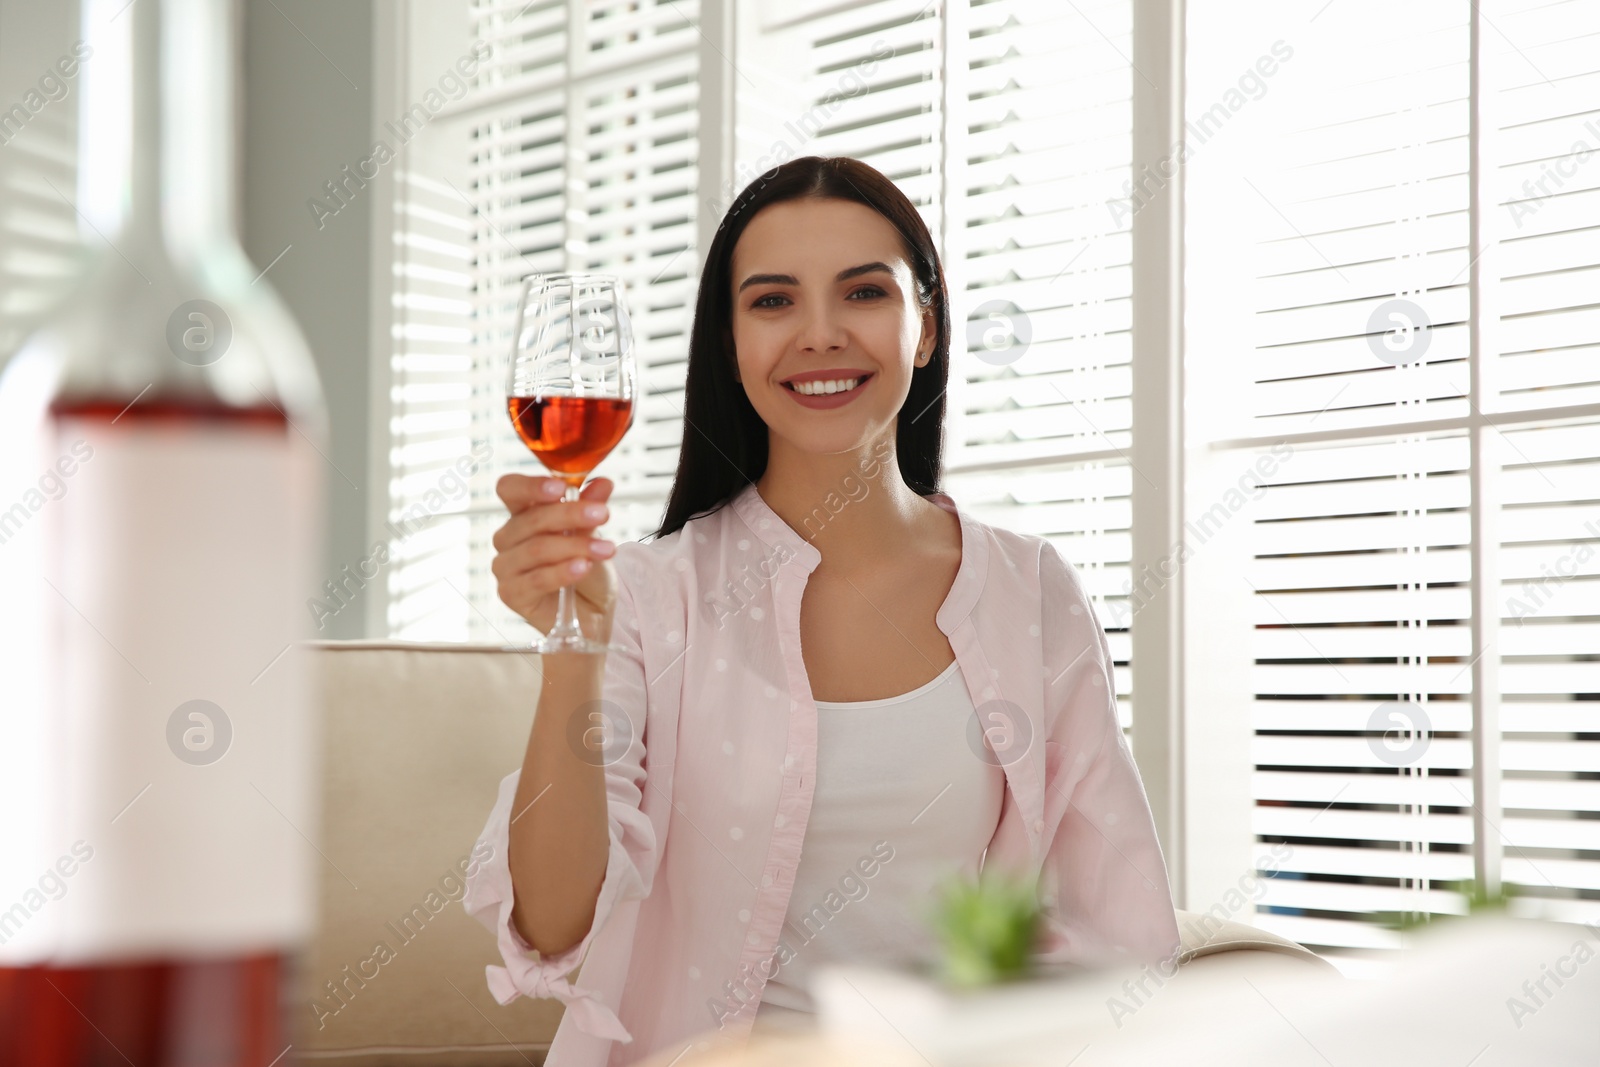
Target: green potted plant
987 929
1481 902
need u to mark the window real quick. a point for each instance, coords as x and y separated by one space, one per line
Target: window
1373 542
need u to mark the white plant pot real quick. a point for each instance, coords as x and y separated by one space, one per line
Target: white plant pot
956 1028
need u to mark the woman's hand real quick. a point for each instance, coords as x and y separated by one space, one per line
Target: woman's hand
536 549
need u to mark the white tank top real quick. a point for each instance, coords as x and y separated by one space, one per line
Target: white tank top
901 801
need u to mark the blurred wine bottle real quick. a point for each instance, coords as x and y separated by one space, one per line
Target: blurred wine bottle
160 514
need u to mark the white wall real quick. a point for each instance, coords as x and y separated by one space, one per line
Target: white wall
308 88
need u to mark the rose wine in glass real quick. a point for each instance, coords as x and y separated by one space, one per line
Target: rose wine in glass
569 393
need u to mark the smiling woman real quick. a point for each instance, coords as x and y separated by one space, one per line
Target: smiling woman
898 674
828 257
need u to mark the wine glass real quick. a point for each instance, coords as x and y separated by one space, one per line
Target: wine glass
570 392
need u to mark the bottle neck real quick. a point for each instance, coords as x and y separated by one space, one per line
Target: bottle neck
156 137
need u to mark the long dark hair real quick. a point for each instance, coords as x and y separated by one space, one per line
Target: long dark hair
724 439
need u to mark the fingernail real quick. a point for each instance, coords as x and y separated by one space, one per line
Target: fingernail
551 487
594 511
578 566
602 548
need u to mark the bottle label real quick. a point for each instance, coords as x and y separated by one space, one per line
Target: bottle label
158 759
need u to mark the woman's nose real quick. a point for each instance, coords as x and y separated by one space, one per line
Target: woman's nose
821 332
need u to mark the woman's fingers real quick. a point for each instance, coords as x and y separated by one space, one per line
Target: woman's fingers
551 518
540 551
518 491
548 543
527 593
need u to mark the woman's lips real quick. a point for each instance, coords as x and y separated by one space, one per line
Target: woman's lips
828 400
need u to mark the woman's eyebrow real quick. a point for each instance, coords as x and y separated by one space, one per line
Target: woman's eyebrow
789 279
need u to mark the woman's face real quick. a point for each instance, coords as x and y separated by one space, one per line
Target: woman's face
822 292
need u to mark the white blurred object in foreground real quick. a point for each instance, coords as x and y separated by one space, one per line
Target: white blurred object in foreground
1489 992
160 492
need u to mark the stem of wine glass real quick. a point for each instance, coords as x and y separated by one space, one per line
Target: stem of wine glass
566 600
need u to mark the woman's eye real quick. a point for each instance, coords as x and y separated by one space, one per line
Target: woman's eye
773 300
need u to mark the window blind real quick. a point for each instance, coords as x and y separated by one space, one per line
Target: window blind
436 411
1043 430
40 252
1549 356
1362 555
1360 565
1360 618
892 120
1549 118
1550 668
580 156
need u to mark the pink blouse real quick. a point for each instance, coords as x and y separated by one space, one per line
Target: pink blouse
711 767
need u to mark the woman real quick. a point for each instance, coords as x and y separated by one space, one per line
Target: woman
834 687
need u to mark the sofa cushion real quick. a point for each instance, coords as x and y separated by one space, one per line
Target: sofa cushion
415 741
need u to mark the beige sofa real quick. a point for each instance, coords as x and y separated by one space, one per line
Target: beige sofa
415 741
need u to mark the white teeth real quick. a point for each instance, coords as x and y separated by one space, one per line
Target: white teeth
823 388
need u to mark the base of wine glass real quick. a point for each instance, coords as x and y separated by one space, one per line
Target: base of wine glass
547 645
